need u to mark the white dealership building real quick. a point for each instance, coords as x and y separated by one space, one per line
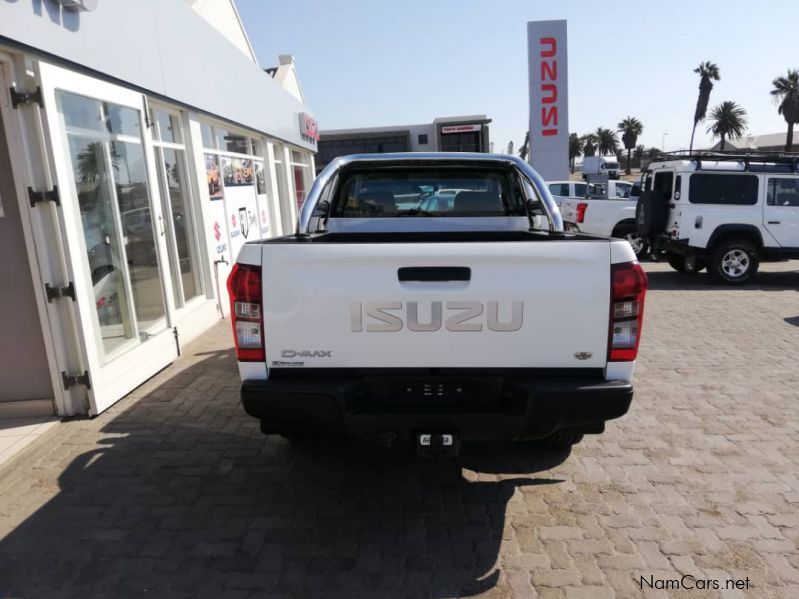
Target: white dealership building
141 145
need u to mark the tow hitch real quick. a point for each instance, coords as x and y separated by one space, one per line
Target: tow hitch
438 445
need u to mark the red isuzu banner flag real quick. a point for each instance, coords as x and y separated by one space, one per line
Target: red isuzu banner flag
549 98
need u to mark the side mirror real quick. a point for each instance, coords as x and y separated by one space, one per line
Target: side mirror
322 209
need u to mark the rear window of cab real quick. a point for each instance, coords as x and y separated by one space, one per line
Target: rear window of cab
708 188
390 192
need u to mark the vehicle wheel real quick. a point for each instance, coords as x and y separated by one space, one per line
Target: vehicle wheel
562 439
677 262
733 262
637 241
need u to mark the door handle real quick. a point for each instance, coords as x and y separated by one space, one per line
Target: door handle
434 273
773 222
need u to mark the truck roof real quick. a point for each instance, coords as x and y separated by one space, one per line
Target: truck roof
681 160
328 175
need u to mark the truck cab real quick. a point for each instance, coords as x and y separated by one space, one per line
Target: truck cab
601 165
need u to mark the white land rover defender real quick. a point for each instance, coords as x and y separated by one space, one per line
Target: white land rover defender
471 315
726 212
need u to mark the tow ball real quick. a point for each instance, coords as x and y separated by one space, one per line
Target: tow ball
438 445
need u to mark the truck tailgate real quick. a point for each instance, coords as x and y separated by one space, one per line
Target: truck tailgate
542 304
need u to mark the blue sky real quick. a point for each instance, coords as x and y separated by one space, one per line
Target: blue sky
368 63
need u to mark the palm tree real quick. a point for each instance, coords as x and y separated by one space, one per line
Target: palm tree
590 142
708 73
728 121
91 163
630 129
786 92
638 154
575 149
608 142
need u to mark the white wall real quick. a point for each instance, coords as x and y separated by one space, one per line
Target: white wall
430 130
165 48
223 16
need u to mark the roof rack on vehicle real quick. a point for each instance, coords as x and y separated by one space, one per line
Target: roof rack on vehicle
763 161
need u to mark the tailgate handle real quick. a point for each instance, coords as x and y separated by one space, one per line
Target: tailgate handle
434 273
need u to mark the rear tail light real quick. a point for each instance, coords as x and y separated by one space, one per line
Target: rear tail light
581 207
246 312
628 290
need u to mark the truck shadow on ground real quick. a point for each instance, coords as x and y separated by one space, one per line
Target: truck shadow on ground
764 281
183 497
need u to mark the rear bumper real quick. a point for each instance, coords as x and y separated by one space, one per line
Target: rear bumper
476 405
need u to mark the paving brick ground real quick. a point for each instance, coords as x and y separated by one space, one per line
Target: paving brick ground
175 493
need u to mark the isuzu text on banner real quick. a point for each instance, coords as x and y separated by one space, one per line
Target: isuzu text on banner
549 99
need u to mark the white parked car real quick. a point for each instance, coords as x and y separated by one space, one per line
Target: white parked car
464 323
578 189
725 212
613 189
610 216
567 189
601 165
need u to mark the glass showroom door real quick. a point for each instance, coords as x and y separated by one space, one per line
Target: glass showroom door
114 230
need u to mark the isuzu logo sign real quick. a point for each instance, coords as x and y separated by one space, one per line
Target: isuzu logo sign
549 101
393 316
308 126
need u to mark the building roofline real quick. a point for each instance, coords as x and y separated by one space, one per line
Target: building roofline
466 119
244 31
469 118
366 131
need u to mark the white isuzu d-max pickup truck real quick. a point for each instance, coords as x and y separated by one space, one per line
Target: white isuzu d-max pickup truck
480 320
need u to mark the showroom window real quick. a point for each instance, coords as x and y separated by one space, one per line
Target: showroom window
180 229
283 187
300 176
237 187
266 213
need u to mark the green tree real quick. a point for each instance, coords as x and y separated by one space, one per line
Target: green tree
786 92
590 142
708 73
630 128
727 121
607 143
575 149
638 154
90 162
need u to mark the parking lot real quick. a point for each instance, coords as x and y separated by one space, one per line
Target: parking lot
175 492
